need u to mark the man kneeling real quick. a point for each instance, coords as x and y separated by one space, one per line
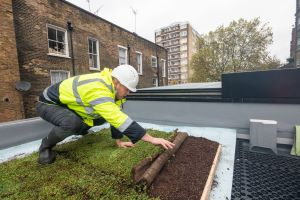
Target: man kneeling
76 104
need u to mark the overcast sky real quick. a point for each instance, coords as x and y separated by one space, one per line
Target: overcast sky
204 16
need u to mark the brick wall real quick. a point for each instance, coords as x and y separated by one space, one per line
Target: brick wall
31 19
11 106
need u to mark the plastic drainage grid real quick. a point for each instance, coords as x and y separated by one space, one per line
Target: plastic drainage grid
264 176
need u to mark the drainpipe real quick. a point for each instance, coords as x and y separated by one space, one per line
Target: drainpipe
157 70
128 53
157 60
70 28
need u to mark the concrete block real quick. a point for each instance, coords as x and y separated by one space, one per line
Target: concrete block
263 133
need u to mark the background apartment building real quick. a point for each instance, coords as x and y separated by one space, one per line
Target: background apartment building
180 41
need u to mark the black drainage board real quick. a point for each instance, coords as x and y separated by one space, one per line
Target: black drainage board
264 176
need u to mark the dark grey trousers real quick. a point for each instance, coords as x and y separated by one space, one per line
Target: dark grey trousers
66 123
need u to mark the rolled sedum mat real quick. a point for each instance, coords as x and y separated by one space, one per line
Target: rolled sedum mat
154 168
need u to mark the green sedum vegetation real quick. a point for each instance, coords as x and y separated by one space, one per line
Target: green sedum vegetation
89 168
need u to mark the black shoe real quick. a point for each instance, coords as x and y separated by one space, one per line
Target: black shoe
46 156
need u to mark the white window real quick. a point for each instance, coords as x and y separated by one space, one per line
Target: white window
165 30
183 33
58 76
183 69
297 62
163 67
183 40
183 26
172 35
184 76
57 41
298 43
174 49
174 42
139 62
122 55
155 82
94 62
153 61
174 63
183 48
183 61
183 55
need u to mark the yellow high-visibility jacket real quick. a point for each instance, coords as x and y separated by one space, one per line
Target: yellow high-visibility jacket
91 96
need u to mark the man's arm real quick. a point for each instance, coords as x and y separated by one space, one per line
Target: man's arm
135 132
147 138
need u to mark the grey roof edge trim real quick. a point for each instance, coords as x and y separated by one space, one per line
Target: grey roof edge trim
20 121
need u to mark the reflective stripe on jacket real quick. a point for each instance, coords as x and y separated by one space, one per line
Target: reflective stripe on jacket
92 96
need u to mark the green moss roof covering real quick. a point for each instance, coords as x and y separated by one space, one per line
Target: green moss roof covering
89 168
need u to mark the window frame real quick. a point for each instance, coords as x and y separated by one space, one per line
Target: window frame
298 43
156 81
66 55
297 62
98 53
183 47
183 61
139 70
152 61
183 33
52 81
125 48
164 73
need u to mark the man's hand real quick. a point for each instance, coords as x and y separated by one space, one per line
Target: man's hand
164 143
122 144
158 141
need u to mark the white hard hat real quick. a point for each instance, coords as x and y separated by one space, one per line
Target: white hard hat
127 76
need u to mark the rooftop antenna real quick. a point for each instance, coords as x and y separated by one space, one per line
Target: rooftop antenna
89 5
97 11
134 11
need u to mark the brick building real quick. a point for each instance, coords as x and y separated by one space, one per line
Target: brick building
11 103
56 39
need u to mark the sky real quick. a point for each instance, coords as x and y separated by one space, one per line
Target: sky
204 16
